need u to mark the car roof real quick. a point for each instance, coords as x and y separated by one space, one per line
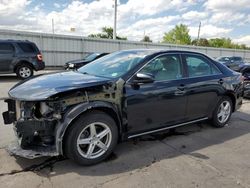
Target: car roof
162 51
14 41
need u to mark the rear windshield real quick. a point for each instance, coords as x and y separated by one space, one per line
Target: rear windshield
28 47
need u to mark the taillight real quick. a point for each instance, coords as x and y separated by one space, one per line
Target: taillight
242 78
39 57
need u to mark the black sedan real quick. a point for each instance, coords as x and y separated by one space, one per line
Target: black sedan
83 114
76 64
236 63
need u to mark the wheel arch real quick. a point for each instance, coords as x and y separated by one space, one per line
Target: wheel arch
245 69
233 99
21 62
74 113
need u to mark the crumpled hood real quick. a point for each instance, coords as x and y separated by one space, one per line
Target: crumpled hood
42 87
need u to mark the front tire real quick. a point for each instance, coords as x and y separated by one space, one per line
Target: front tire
91 138
24 71
222 112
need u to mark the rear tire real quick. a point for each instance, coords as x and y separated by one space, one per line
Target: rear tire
91 138
24 71
222 112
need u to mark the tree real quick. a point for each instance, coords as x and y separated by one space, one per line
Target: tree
178 35
146 39
107 33
200 42
220 42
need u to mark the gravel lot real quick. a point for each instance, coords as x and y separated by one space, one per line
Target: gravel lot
193 156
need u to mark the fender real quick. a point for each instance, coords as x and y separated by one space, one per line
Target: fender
74 112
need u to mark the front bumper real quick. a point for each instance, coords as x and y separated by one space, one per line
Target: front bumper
35 138
69 66
36 152
10 115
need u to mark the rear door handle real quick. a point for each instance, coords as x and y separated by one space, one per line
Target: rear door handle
180 90
221 81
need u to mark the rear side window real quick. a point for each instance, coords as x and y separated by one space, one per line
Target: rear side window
199 66
27 47
6 48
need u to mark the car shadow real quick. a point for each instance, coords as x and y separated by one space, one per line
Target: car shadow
13 78
144 151
9 78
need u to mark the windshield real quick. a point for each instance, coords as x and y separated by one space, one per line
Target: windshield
223 58
91 57
114 65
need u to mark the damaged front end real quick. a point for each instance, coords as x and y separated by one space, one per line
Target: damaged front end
41 125
34 125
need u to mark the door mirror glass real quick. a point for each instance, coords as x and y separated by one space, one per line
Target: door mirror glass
143 78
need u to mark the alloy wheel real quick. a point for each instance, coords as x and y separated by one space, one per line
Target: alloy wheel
224 111
94 140
25 72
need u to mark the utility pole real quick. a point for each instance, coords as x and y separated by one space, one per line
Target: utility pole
115 19
53 28
199 30
53 42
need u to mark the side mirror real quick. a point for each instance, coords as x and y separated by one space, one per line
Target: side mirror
142 78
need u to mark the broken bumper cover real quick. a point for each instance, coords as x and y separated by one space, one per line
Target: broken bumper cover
34 138
36 152
10 115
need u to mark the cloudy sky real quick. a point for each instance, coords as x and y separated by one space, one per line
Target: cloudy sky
219 18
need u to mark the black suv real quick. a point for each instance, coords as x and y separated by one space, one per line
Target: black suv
20 57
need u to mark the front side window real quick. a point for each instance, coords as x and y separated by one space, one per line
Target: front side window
166 67
199 66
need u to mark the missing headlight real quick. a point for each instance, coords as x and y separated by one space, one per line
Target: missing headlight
45 109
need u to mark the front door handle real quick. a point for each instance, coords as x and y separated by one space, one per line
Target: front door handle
181 87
